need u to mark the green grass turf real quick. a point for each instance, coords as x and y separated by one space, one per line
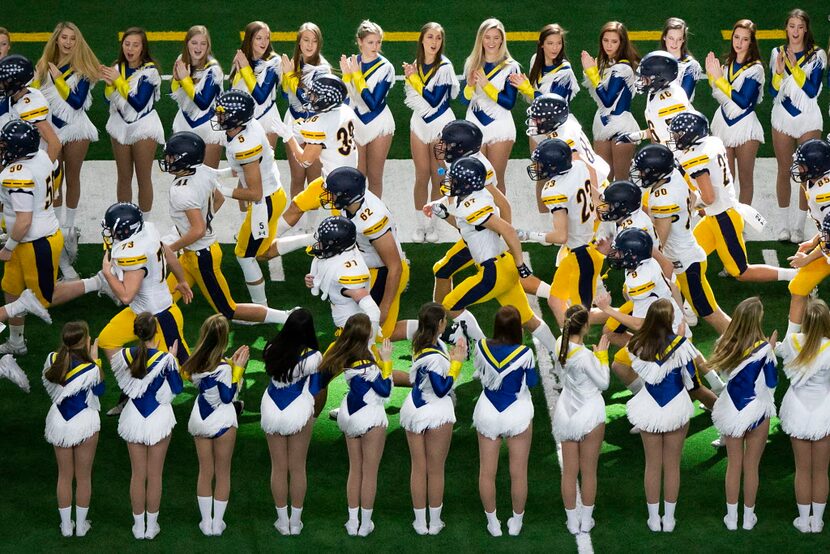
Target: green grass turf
100 21
29 521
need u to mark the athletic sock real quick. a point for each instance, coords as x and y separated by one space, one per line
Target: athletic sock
545 336
818 510
714 381
69 217
732 511
296 515
81 513
653 510
573 519
492 520
219 507
587 515
786 273
353 512
91 284
275 316
435 513
66 516
799 219
205 504
152 519
16 334
366 524
668 509
257 293
138 525
294 242
411 327
474 330
793 327
420 518
514 524
15 308
543 291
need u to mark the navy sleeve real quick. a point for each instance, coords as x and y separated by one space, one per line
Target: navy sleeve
263 90
175 381
747 94
562 88
771 374
688 84
77 96
382 386
142 95
609 95
813 83
463 99
226 393
507 97
317 382
376 97
435 96
209 91
531 376
98 390
441 385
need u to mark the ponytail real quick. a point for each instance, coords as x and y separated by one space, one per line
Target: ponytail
74 338
429 318
576 318
144 327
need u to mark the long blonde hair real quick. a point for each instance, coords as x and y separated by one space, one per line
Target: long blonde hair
476 58
82 60
743 332
816 326
210 350
192 32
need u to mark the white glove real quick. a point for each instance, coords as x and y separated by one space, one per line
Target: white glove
226 190
439 210
631 138
225 172
532 236
283 130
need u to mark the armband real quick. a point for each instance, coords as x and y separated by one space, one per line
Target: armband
385 368
593 75
602 356
11 244
491 91
236 373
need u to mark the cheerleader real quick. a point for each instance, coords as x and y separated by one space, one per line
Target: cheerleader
66 73
213 418
133 88
369 77
579 420
504 411
610 81
667 364
805 412
675 40
490 95
428 414
73 378
797 69
550 73
361 417
298 72
738 86
430 85
742 412
197 81
291 359
150 379
256 70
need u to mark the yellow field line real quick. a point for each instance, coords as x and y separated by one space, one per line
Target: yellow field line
394 36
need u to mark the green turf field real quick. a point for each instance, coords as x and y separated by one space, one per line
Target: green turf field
100 22
29 520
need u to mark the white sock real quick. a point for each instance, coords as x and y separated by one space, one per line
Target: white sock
435 513
732 511
16 334
818 510
138 522
66 516
543 291
275 316
492 520
282 514
365 515
653 510
421 220
152 519
573 518
587 515
793 327
353 512
473 328
545 336
296 515
292 243
668 509
786 273
804 512
421 517
257 293
250 269
205 504
69 217
92 284
411 327
283 226
14 309
749 512
635 385
219 507
80 513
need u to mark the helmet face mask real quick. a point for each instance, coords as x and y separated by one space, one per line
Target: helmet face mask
218 119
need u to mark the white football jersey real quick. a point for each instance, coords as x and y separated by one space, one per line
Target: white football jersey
661 107
490 180
571 132
335 131
143 251
335 275
710 156
27 187
373 220
572 192
672 200
194 192
251 145
645 285
818 198
471 213
639 220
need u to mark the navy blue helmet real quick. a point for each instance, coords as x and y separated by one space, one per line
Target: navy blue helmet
620 199
234 108
183 151
121 221
343 186
651 165
18 139
631 247
466 175
458 138
334 235
552 157
546 114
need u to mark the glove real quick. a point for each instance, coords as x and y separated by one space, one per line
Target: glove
630 138
532 236
524 271
282 130
226 190
440 210
455 369
386 368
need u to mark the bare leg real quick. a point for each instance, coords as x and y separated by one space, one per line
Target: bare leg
222 458
377 151
155 473
278 448
570 473
756 440
589 450
734 466
653 446
488 455
371 444
297 455
499 153
803 452
84 457
821 460
784 147
213 152
437 447
519 450
204 452
124 169
672 450
604 151
66 472
144 153
418 471
74 154
298 174
622 153
353 482
746 154
422 158
138 478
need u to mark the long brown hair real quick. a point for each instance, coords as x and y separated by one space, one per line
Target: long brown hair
507 327
145 47
809 40
192 32
74 346
753 53
82 60
741 335
420 57
210 351
429 319
652 338
676 24
310 27
351 346
626 50
816 326
251 29
144 327
576 318
539 61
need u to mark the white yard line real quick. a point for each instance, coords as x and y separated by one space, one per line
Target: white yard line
583 540
275 269
770 257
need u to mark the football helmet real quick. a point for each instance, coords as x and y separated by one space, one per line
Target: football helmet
546 114
183 151
18 139
458 138
651 165
343 186
550 158
326 93
16 72
631 248
335 235
688 129
657 70
121 221
619 200
234 108
465 176
811 160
